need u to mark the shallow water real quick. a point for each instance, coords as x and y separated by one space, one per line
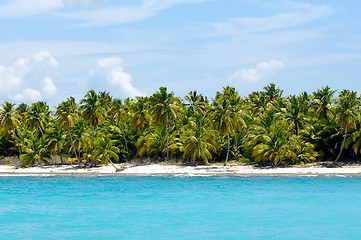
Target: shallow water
180 207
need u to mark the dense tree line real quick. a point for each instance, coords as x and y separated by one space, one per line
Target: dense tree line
264 128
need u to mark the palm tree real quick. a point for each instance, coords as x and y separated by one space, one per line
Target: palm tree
35 151
118 113
197 140
355 139
82 138
8 118
67 113
272 92
105 151
223 120
152 142
294 115
275 147
197 103
346 106
55 139
322 99
38 116
164 109
21 111
140 116
105 100
92 110
227 115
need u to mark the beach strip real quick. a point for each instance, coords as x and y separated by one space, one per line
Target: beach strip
181 169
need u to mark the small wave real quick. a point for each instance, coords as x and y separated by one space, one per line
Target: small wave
27 175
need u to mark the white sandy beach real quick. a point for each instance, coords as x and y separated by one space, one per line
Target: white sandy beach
179 169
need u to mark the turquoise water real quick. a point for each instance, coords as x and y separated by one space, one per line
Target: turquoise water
180 207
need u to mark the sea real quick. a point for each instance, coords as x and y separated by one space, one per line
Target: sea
179 207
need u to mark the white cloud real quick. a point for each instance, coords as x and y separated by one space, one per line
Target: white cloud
111 69
27 78
271 66
49 88
28 95
23 8
262 70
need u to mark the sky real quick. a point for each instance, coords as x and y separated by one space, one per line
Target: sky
54 49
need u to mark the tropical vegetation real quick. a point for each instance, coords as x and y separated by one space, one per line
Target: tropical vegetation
264 128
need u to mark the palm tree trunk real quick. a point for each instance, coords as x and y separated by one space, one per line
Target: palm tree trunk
166 127
342 145
72 144
91 144
125 139
41 131
235 137
17 140
116 169
225 163
61 158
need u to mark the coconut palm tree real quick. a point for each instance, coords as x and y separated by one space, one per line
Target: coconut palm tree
55 139
140 115
21 111
355 137
346 105
164 108
275 147
227 115
196 102
67 113
106 150
38 116
322 100
197 140
105 100
272 92
92 111
118 112
81 134
223 119
35 151
294 115
9 119
153 142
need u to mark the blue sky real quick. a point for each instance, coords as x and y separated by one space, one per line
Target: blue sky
54 49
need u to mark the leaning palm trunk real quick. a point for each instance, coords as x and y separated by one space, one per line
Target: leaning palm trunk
17 140
72 144
166 126
235 137
41 131
342 145
225 163
116 169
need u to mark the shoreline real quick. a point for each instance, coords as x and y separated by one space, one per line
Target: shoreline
160 169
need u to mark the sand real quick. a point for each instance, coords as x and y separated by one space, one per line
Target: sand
181 169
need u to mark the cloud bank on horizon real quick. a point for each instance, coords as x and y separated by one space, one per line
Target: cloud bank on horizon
59 48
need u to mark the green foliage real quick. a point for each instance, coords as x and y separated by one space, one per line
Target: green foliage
263 127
